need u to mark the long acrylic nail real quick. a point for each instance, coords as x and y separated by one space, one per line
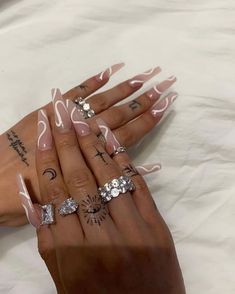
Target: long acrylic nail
158 89
106 74
148 168
31 213
160 107
139 80
44 131
111 141
62 119
80 124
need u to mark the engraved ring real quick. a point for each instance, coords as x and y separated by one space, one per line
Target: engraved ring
84 107
115 187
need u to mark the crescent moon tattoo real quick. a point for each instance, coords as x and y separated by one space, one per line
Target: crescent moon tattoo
51 173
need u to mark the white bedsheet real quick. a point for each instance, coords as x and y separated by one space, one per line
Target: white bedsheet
59 43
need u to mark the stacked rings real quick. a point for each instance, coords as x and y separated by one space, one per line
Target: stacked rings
116 187
84 107
118 150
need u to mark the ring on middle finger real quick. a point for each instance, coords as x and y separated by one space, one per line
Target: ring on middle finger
84 107
68 206
116 187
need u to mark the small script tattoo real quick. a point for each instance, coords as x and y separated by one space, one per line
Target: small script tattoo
17 145
101 155
94 210
83 87
130 171
134 104
51 173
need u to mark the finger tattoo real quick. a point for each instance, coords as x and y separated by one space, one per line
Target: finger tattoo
83 87
18 146
101 155
134 104
129 170
94 210
51 173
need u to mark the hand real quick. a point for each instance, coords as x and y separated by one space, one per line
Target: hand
123 246
18 143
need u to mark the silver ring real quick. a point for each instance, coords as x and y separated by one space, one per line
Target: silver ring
84 107
116 187
118 150
47 214
68 206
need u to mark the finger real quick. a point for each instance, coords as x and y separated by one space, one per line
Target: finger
141 196
104 100
45 239
122 114
122 208
66 230
94 83
93 214
131 133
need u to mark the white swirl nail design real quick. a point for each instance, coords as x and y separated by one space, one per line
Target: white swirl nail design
167 101
171 78
76 121
157 90
147 169
44 126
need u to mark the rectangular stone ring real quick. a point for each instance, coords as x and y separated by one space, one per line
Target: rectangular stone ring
47 214
68 206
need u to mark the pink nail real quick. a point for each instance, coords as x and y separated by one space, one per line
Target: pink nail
160 107
111 141
44 131
62 119
27 204
139 80
157 90
106 74
148 168
80 124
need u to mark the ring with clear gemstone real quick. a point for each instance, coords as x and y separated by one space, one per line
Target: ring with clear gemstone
47 214
116 187
84 107
68 206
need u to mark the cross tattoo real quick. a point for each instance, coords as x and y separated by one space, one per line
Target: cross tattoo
100 154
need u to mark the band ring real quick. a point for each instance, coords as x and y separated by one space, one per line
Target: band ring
84 107
115 187
47 214
68 206
118 150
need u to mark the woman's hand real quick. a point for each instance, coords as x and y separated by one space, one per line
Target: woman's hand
118 245
18 143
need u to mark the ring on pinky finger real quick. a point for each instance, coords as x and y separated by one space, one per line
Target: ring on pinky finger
141 195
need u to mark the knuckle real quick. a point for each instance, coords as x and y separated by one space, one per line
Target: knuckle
140 185
79 180
55 191
125 89
128 136
100 102
66 142
118 116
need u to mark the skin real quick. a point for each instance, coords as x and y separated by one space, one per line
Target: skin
119 119
130 251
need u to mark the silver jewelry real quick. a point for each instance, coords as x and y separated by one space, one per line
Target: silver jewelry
116 187
47 214
84 107
68 206
118 150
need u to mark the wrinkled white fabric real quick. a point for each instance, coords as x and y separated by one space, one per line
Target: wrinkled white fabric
45 44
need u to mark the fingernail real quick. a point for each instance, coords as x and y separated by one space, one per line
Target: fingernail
157 90
62 119
27 204
139 80
106 74
160 107
79 123
148 168
44 131
111 141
